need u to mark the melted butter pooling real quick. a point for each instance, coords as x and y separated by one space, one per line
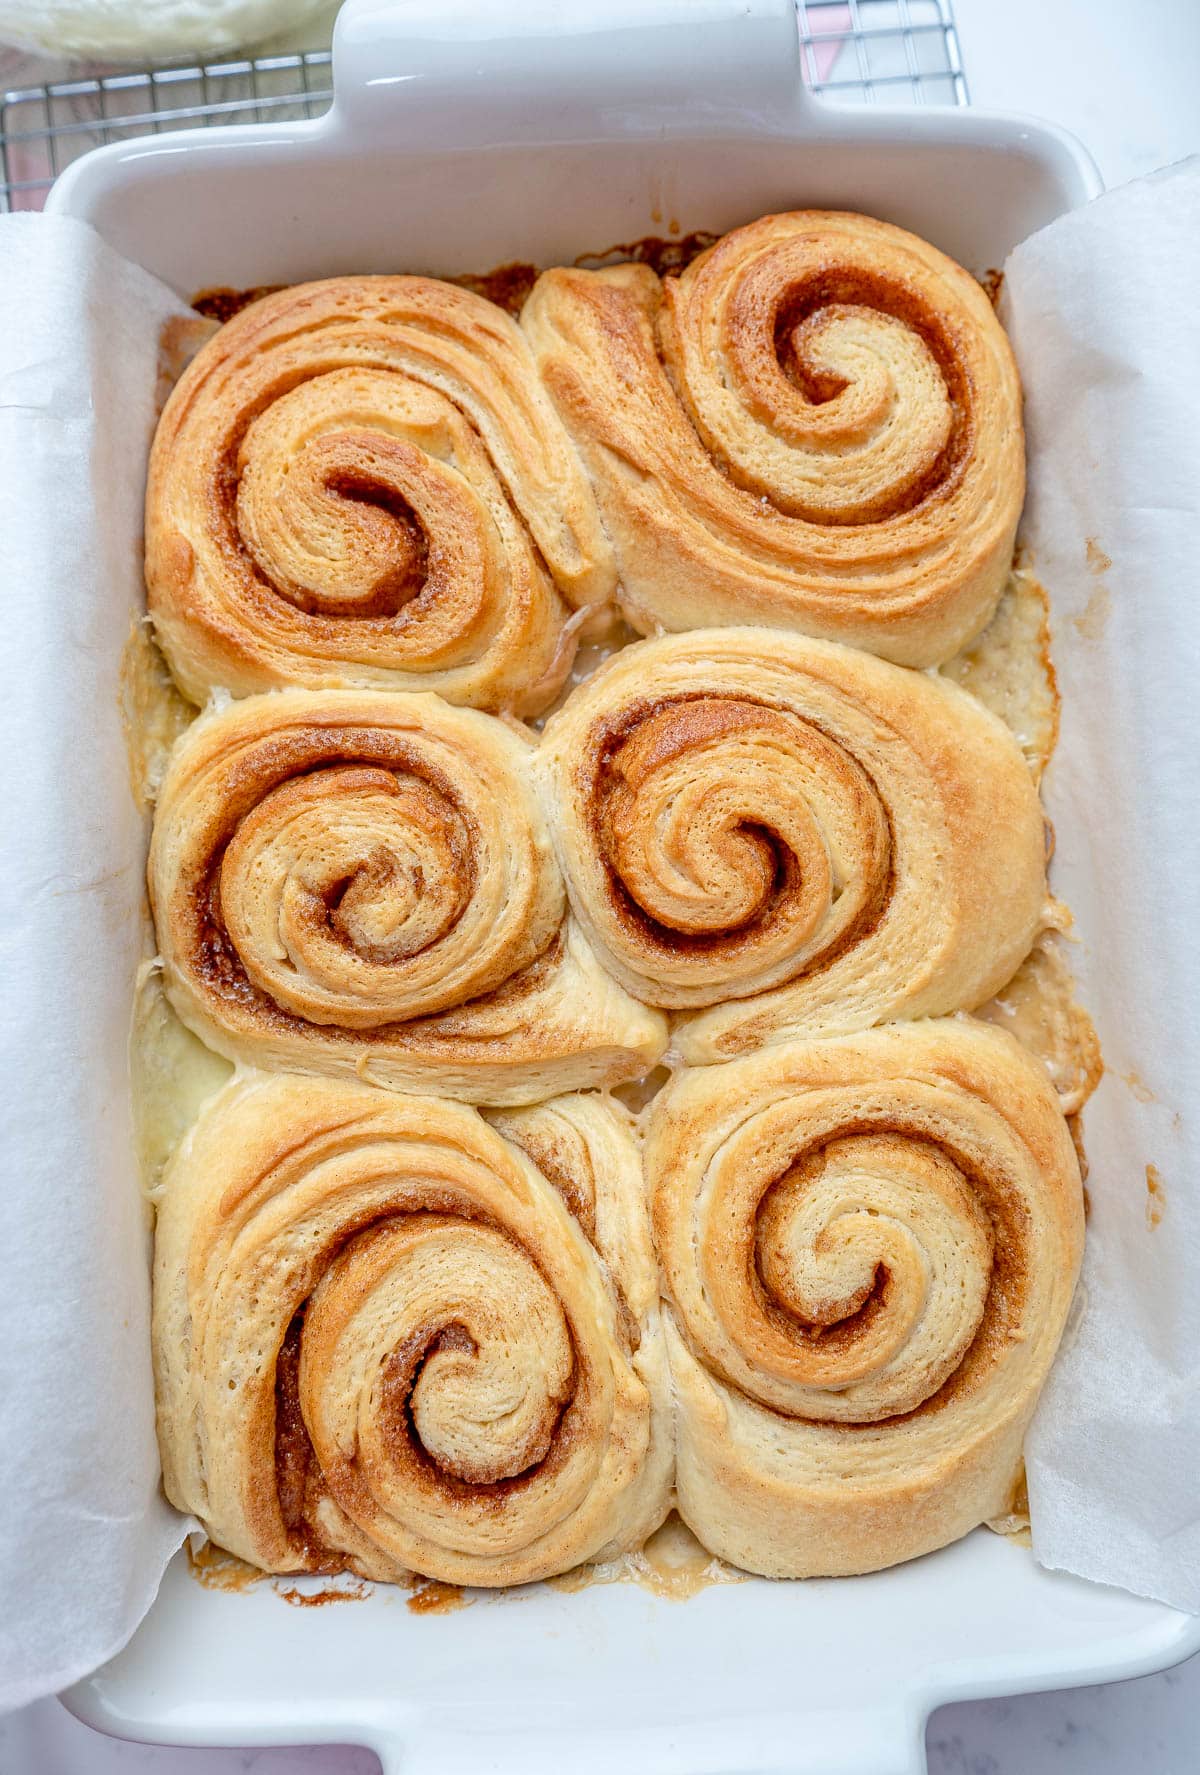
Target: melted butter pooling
173 1073
1008 668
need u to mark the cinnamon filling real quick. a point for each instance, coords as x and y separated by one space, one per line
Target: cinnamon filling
698 719
391 593
850 288
1006 1295
381 758
405 580
300 1482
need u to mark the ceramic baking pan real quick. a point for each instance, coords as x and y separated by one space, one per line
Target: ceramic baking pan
465 135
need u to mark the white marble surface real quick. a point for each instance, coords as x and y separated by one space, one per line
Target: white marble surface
1123 74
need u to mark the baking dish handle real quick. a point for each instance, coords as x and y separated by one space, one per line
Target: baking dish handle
466 73
882 1740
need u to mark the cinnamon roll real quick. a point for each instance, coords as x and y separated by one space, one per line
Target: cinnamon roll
361 482
358 882
815 426
869 1247
384 1343
798 836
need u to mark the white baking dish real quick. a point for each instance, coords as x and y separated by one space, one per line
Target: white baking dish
453 148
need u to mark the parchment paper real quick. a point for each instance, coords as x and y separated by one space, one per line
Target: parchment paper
84 1531
1101 307
1102 310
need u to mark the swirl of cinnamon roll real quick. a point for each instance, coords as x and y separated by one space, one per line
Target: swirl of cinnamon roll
355 881
803 838
360 482
869 1249
384 1343
816 426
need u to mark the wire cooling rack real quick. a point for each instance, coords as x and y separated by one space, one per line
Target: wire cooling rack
852 51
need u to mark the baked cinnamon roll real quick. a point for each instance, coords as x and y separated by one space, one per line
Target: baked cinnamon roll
361 482
815 426
363 883
384 1343
869 1247
797 836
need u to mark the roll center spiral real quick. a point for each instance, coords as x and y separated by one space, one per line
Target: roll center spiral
339 878
825 386
735 833
436 1362
852 1283
409 543
696 855
360 494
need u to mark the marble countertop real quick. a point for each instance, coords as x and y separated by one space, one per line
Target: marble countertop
1123 77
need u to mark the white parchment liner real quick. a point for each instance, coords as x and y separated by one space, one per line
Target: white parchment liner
84 1530
1102 310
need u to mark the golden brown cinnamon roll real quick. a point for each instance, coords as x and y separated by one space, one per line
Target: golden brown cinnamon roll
360 482
816 426
382 1342
803 838
363 882
869 1248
